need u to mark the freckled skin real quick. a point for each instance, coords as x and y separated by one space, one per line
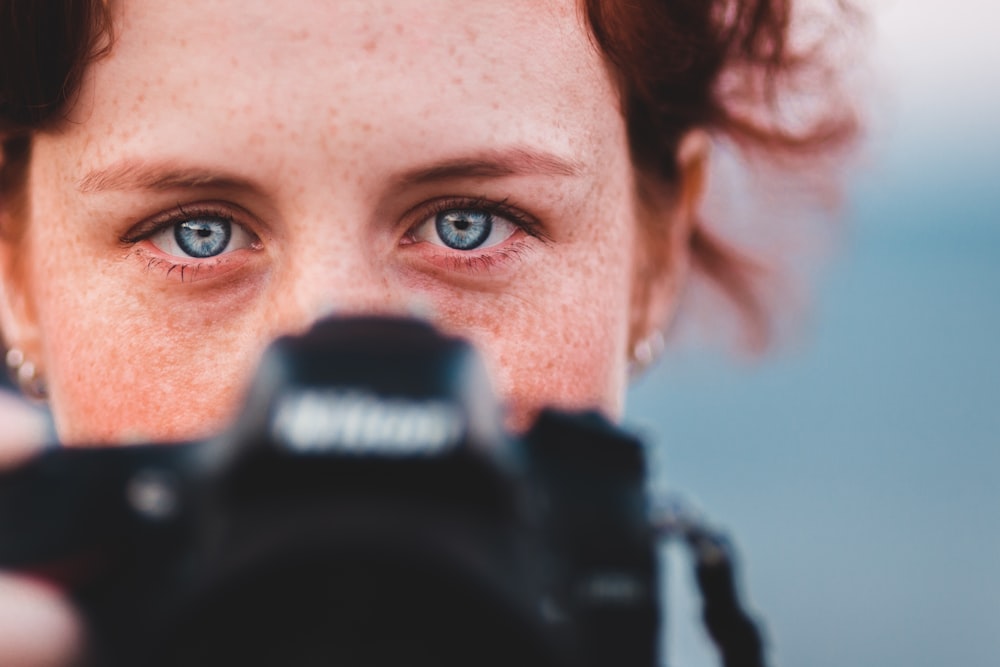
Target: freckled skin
322 105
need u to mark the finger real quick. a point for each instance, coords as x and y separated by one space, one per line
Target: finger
37 627
24 430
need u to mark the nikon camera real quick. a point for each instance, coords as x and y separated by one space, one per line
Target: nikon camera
365 510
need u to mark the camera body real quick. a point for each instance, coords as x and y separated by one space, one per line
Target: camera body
366 508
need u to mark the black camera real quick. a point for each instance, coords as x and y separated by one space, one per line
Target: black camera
365 509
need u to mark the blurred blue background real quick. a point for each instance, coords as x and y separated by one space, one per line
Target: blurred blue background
859 472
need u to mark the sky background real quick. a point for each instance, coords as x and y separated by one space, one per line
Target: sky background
859 470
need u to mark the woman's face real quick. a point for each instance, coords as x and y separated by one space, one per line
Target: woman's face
233 171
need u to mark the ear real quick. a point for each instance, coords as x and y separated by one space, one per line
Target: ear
668 219
18 324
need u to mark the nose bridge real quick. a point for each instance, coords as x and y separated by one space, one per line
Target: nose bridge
342 267
363 289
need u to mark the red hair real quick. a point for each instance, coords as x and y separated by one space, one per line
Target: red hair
725 66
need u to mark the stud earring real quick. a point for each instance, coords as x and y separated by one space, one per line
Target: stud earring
23 371
645 352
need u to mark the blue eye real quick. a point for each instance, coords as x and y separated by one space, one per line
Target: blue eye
203 238
463 229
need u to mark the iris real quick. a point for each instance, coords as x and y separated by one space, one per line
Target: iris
463 229
203 238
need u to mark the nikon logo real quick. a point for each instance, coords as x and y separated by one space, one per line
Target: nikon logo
353 422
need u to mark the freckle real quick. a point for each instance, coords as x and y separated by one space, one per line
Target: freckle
471 33
399 28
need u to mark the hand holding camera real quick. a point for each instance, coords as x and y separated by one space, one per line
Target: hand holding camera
365 509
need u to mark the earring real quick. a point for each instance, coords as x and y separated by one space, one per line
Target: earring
646 352
23 371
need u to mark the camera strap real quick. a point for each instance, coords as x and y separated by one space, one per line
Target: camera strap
734 633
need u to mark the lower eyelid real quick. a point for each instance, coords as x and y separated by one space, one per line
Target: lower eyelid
175 268
470 263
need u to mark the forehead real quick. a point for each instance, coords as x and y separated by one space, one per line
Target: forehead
333 71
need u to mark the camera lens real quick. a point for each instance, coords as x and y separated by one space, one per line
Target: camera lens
361 591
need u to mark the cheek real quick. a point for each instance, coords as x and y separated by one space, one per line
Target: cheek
115 378
118 376
567 358
557 339
121 368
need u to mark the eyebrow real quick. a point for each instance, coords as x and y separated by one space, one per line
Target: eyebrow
142 175
494 164
133 174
